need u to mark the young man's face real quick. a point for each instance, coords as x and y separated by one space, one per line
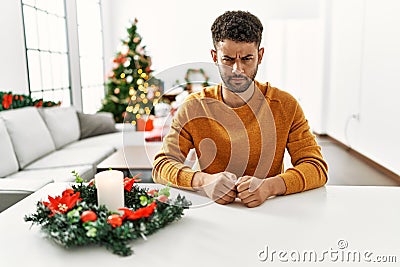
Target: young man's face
238 63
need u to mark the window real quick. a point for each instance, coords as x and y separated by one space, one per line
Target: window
91 54
46 50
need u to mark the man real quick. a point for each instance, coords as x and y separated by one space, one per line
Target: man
240 128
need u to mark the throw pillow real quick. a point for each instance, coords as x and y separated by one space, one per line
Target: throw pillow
96 124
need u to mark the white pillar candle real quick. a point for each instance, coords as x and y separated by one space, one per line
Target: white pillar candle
110 189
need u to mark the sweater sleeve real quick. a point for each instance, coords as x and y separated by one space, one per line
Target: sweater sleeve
309 168
168 165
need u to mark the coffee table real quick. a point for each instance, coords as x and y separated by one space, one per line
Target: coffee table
132 160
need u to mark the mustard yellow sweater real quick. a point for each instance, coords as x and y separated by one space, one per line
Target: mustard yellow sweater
249 140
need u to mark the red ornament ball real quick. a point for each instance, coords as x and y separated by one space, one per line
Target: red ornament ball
115 220
88 215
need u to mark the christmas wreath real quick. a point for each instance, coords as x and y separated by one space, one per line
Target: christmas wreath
75 218
189 72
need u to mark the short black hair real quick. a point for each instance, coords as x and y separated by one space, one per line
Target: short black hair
238 26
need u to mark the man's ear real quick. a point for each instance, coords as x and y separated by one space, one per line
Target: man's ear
214 55
260 55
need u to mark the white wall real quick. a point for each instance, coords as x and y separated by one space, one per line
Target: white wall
364 90
13 71
178 31
345 67
294 62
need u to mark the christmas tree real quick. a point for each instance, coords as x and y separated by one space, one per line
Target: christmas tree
131 90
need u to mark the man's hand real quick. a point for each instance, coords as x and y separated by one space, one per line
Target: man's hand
220 187
254 191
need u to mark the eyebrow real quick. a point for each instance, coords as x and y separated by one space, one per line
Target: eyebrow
249 55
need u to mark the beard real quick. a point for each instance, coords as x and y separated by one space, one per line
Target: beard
236 83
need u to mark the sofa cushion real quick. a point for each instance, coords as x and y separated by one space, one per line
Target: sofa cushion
63 174
62 123
8 161
96 124
116 140
23 183
72 157
29 135
111 140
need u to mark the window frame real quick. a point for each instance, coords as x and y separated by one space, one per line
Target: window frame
41 52
101 86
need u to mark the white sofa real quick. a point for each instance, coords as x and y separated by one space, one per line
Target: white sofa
40 146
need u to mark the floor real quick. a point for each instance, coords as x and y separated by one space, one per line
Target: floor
347 169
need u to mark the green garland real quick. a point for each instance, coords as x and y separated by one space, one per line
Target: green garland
72 228
10 100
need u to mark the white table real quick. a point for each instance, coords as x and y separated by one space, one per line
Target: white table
367 218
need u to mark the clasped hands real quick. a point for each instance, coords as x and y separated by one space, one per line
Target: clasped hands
225 187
